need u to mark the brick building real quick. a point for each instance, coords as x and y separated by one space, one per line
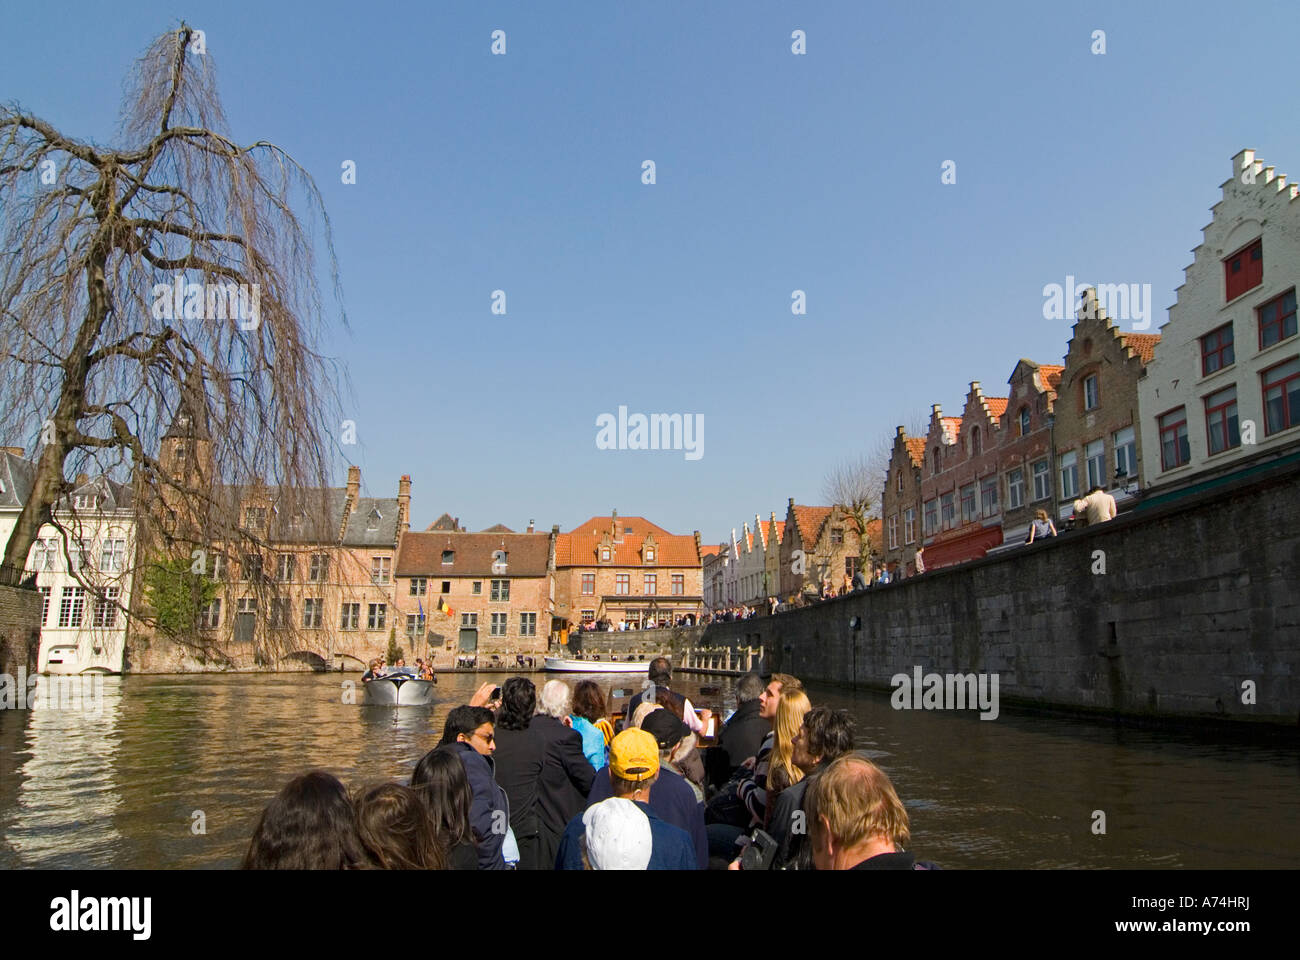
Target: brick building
987 471
626 569
1097 438
818 543
901 503
489 595
1222 392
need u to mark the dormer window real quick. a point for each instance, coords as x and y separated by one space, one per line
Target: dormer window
650 555
604 554
448 557
85 501
254 518
372 519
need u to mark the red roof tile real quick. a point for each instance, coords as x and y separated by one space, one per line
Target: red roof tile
1051 374
810 520
997 405
1143 344
472 554
916 449
581 550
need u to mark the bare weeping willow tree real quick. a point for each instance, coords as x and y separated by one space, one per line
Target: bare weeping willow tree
165 285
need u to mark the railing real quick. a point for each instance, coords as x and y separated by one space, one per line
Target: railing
11 576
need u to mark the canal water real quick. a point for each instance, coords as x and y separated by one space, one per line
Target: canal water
172 772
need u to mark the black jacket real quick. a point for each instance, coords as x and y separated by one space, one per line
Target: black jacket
547 777
743 734
489 798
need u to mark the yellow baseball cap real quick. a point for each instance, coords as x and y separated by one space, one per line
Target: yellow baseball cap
634 755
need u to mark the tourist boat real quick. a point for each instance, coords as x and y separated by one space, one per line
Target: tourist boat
399 690
575 665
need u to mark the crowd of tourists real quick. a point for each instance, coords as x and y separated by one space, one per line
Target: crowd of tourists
528 779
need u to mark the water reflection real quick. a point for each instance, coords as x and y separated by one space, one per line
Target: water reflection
122 788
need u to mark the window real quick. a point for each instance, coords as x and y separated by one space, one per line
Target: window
45 604
286 567
588 584
949 510
1174 451
934 462
44 554
1095 457
252 566
105 614
650 555
604 554
1244 270
71 606
469 621
651 585
476 588
210 616
989 496
1217 350
968 512
1015 489
1091 396
893 532
1069 475
375 616
501 590
350 616
313 609
931 517
679 584
909 525
976 444
588 615
1277 320
498 625
111 556
254 518
414 625
837 536
622 583
448 557
85 501
1024 421
1221 420
280 612
1125 455
320 567
381 569
1282 396
218 566
899 485
419 586
1042 482
527 624
77 549
446 588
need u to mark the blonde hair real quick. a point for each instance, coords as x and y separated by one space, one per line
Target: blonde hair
858 802
1040 515
789 718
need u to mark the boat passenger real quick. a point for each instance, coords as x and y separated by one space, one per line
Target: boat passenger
825 736
588 712
633 771
439 778
372 671
743 734
308 825
396 829
660 675
470 732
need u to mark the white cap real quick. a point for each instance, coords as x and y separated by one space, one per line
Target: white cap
618 835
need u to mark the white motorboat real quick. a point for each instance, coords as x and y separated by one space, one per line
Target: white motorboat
574 665
399 690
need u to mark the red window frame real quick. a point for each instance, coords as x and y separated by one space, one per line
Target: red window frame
678 584
1165 428
1266 386
1243 270
1280 321
1220 410
1213 345
623 584
588 584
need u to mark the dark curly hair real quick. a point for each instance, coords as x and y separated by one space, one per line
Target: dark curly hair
309 825
518 704
830 733
396 829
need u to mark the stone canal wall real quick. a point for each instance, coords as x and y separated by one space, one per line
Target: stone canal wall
20 628
1187 610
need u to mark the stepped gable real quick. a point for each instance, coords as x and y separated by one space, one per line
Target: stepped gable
915 450
1143 345
810 521
951 429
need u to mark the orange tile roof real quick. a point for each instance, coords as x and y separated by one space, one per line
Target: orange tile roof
780 531
997 405
875 532
581 550
637 525
1051 374
1143 344
810 520
916 449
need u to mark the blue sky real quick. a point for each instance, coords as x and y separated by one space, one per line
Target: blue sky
775 172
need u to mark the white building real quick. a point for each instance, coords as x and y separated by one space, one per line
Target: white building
1223 389
85 576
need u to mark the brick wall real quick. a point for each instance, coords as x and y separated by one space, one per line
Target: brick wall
1199 596
20 629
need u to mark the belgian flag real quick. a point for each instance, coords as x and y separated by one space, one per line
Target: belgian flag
443 608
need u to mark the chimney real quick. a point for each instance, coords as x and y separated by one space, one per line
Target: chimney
530 526
354 487
404 504
16 451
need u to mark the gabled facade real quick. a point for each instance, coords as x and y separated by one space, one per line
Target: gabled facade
1223 389
1097 434
715 559
626 569
901 504
820 543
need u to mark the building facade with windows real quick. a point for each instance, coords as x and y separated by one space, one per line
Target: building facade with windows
1223 390
901 504
490 596
626 569
1098 428
819 544
83 564
714 560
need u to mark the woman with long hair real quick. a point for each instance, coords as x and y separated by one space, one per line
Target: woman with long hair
782 771
439 779
396 829
309 825
588 713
